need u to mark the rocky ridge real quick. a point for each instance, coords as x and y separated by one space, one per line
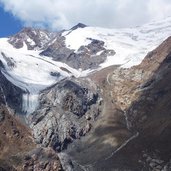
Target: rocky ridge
31 38
12 94
53 45
67 111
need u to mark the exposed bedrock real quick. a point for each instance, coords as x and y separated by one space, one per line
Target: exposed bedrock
31 38
11 93
87 57
19 152
66 112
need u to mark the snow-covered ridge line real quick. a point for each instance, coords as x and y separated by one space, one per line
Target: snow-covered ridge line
130 44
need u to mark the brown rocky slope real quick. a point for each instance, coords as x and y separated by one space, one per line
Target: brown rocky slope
133 132
18 151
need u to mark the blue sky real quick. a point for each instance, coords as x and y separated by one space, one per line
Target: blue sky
8 24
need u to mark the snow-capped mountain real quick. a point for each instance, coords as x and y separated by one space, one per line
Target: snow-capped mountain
110 86
130 44
35 59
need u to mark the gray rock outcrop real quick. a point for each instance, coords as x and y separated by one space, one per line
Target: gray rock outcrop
87 57
52 44
11 94
66 112
32 38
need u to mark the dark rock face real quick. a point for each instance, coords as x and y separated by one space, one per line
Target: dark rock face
2 115
10 62
7 168
12 95
57 49
86 57
66 112
79 25
76 99
2 97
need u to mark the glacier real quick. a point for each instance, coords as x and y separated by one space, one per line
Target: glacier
33 73
130 44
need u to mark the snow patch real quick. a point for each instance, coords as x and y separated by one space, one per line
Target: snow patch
31 42
76 38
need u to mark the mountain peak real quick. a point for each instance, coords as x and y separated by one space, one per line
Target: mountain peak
79 25
25 29
34 38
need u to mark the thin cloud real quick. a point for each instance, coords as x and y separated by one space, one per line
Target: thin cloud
59 14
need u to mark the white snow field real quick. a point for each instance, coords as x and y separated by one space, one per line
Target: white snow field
33 73
130 44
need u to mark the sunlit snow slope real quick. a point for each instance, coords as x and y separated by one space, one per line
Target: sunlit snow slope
33 73
130 44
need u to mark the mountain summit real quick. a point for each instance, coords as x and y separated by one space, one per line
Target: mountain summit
79 25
